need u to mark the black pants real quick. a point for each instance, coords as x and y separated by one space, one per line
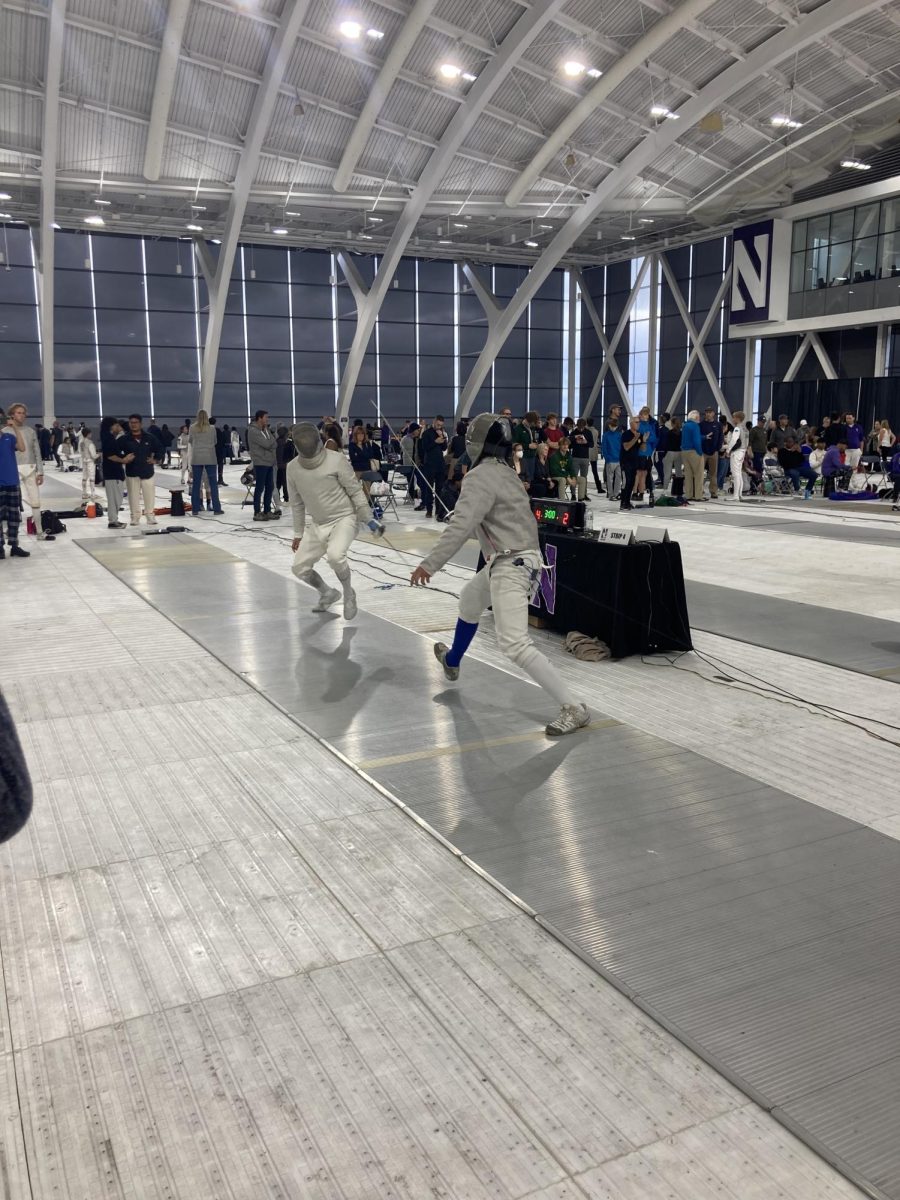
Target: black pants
596 476
281 482
432 481
629 474
220 463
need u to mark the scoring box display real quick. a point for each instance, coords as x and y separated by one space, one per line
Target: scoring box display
559 514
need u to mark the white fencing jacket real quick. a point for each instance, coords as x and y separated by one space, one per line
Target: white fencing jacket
326 492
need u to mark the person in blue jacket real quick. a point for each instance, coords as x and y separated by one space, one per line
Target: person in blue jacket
692 456
611 450
650 431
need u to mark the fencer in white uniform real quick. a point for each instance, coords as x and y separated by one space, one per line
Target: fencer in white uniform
494 505
328 505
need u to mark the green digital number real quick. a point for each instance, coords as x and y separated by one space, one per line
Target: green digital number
549 514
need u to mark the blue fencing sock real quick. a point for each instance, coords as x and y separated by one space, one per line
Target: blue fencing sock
462 640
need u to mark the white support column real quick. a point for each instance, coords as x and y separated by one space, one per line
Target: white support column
830 15
358 285
749 373
653 341
486 298
571 344
205 261
609 347
279 56
797 361
46 245
528 26
698 352
822 355
882 342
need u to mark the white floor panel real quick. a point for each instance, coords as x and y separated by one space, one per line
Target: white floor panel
234 969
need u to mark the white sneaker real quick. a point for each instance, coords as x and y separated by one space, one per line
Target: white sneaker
326 599
351 608
441 650
572 717
151 521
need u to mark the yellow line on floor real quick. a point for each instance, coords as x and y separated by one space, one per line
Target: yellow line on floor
463 747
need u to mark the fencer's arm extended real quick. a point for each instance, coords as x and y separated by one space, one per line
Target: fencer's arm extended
475 502
354 489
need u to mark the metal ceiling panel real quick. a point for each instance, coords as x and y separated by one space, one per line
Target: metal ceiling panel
410 107
23 46
144 18
232 37
544 103
211 102
336 77
692 58
22 114
623 20
492 136
489 19
324 17
186 157
433 47
96 143
393 158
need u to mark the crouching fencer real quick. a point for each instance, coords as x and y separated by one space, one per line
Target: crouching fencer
328 506
493 504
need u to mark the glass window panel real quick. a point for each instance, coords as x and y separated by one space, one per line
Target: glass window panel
865 256
546 314
75 363
435 370
546 372
277 398
123 362
315 399
231 367
268 333
471 341
398 306
311 266
124 327
230 401
552 287
817 266
436 339
128 396
890 255
118 291
841 226
270 366
798 238
798 271
71 250
76 399
165 254
269 262
234 301
435 308
17 285
266 299
19 360
315 335
18 323
73 287
174 402
172 329
312 369
436 277
16 243
232 332
310 301
113 253
511 373
173 364
817 230
397 370
169 293
866 220
397 339
890 213
507 280
638 370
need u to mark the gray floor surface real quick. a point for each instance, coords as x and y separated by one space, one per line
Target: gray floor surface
759 515
762 930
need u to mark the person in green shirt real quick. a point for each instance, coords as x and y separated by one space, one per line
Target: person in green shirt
527 434
562 470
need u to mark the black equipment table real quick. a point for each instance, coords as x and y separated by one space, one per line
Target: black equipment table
630 597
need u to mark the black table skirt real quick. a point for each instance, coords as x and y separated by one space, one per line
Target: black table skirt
630 597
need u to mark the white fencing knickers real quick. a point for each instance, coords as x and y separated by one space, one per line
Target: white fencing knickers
331 541
737 471
508 584
31 494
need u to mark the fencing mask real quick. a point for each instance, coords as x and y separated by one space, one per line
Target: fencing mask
310 450
488 435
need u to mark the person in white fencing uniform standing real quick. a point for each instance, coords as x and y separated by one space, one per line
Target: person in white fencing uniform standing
493 504
738 441
328 506
31 468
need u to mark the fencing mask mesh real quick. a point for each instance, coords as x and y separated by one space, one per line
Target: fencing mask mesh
309 444
488 434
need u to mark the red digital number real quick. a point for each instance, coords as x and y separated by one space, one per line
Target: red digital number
565 517
538 513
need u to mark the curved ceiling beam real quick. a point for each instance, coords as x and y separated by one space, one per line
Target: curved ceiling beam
514 45
276 64
166 70
412 26
653 40
828 16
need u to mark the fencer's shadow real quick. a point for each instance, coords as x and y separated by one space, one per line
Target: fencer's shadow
335 677
502 788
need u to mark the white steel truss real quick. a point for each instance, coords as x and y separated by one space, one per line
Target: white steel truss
697 338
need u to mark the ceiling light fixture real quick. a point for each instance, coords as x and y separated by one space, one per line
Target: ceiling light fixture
198 208
105 203
194 228
350 29
594 73
216 241
573 68
5 216
628 237
292 214
645 220
468 77
444 242
450 70
459 225
94 219
55 226
545 226
532 245
280 231
5 196
377 34
366 237
376 220
855 164
782 122
298 109
660 110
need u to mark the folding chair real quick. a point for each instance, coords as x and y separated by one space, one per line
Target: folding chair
248 479
379 492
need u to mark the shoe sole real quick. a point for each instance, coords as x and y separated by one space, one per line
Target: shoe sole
450 673
558 733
